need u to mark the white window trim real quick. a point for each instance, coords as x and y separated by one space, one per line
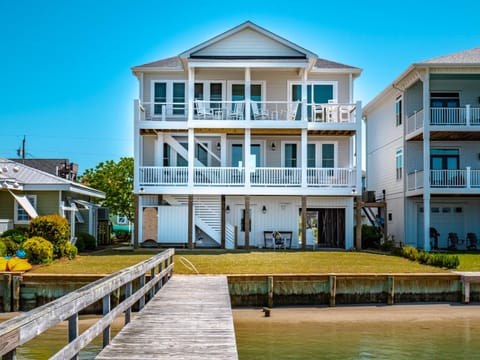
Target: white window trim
262 144
311 83
399 120
18 206
206 88
169 99
242 82
282 157
319 154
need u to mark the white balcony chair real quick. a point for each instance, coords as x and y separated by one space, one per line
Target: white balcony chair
292 110
202 111
258 113
318 113
237 112
345 111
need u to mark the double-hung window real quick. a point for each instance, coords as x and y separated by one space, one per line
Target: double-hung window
399 163
21 215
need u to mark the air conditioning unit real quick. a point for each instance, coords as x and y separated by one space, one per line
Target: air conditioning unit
103 214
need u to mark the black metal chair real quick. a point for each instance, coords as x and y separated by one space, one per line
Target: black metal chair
434 234
453 241
471 241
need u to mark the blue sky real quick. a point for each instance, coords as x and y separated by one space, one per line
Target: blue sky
67 86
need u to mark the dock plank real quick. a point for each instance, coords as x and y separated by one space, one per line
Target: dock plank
190 318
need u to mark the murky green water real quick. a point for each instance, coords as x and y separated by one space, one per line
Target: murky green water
419 340
457 339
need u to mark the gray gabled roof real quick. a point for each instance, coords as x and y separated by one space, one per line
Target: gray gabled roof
33 179
467 57
327 64
171 63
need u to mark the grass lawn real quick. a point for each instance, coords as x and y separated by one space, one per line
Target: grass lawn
254 262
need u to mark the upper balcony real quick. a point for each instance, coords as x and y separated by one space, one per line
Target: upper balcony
249 114
462 181
338 181
446 123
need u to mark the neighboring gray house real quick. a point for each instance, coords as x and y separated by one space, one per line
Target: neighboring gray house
26 192
247 131
422 149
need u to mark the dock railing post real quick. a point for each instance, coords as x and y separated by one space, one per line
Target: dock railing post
106 310
141 302
128 293
73 330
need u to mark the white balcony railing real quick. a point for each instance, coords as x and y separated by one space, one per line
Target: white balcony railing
458 116
259 110
235 176
447 179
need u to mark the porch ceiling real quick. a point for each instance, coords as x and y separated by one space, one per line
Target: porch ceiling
449 136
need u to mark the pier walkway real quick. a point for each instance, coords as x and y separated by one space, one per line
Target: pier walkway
190 318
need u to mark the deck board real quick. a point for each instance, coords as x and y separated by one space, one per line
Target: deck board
190 318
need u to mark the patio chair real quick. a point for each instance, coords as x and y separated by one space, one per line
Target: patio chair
318 113
237 112
453 241
202 111
258 113
292 111
434 234
471 241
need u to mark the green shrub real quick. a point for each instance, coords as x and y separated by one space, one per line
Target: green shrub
11 245
3 248
53 228
85 241
17 235
38 250
433 259
71 251
410 253
370 237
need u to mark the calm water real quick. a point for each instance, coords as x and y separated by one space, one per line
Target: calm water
457 339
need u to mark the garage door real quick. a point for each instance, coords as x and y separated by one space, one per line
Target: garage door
444 218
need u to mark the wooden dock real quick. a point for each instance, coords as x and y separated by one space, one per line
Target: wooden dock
190 318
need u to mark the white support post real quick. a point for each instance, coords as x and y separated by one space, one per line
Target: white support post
191 156
426 161
248 93
358 147
136 145
303 156
191 92
158 161
246 154
468 177
304 95
468 115
223 150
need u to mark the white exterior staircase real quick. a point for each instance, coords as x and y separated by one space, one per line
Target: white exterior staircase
207 211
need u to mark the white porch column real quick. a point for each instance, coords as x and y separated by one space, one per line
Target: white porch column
136 146
248 94
191 91
159 150
223 150
304 95
303 156
468 114
191 156
358 147
246 156
426 160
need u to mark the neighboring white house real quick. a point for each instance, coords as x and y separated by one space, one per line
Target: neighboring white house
26 192
246 127
422 149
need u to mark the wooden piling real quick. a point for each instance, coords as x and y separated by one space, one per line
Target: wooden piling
332 280
391 290
270 291
7 292
16 281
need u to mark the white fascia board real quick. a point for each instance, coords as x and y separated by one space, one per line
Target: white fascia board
247 64
65 187
140 69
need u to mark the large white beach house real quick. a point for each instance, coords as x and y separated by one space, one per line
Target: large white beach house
243 135
423 135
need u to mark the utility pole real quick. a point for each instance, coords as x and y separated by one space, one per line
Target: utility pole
21 151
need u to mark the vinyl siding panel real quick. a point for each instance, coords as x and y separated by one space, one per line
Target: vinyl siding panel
247 42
